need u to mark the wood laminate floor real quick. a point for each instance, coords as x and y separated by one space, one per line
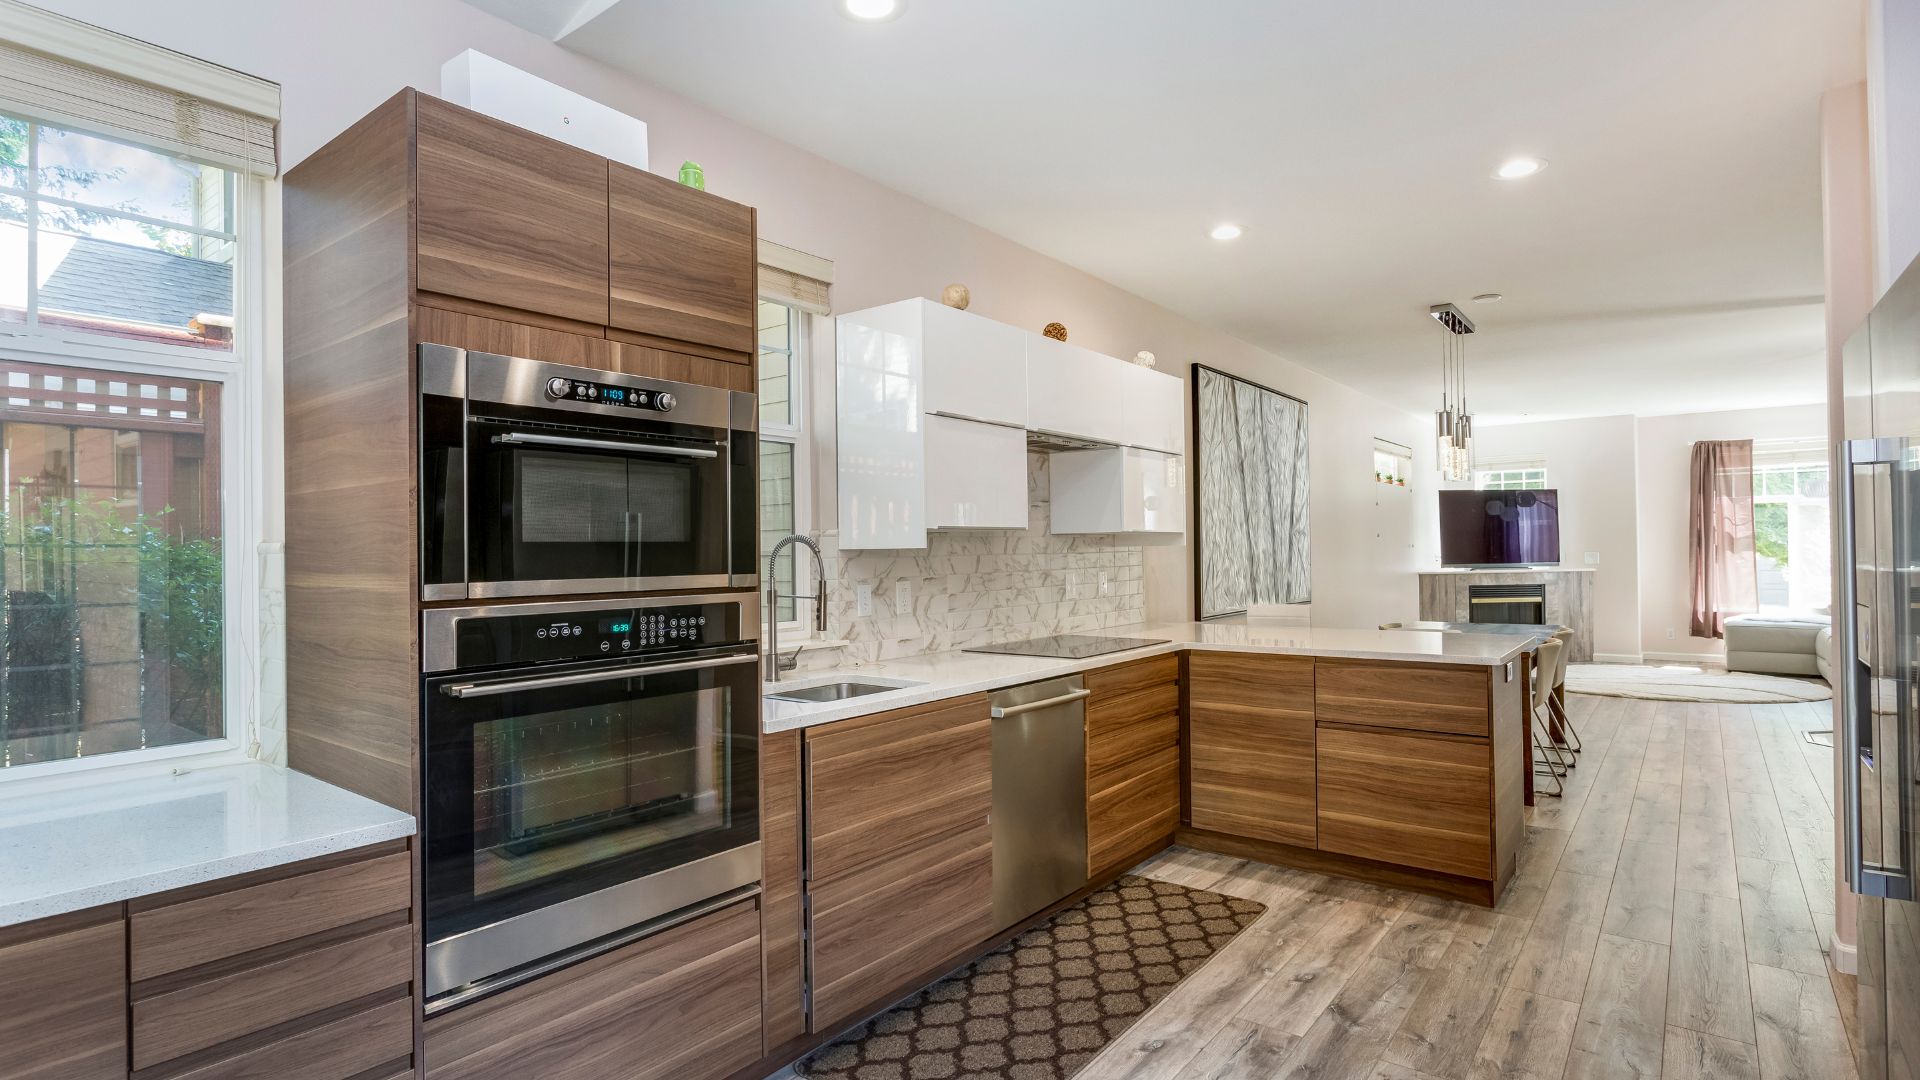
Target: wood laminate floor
1669 919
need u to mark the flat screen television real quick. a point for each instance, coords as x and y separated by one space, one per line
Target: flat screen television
1500 528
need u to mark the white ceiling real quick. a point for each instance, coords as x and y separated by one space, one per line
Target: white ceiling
1668 260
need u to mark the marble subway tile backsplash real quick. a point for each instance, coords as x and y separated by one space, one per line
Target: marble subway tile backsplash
979 587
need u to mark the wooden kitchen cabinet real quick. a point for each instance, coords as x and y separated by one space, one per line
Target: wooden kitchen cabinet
1133 760
1407 799
506 217
1250 731
682 263
679 1005
900 851
63 997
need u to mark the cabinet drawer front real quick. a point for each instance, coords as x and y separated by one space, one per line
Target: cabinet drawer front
194 932
63 1000
1141 805
876 928
1251 772
507 217
680 1005
1411 800
347 1047
172 1023
883 787
1417 697
1120 732
1279 683
1114 682
683 262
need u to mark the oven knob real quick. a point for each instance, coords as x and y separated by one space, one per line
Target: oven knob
664 402
559 388
606 646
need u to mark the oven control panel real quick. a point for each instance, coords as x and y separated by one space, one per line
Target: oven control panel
596 634
598 393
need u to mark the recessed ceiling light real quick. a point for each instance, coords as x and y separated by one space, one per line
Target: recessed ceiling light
1519 168
1488 298
1226 230
870 10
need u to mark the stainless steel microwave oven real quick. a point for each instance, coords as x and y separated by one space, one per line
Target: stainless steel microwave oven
547 480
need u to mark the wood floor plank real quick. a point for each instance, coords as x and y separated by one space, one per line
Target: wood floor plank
1707 981
1641 903
1527 1039
1706 855
1241 1051
1798 1022
1623 1014
1774 914
1423 932
1442 1031
1758 832
1348 1038
1655 818
1695 1055
1559 951
1813 858
1295 995
1539 857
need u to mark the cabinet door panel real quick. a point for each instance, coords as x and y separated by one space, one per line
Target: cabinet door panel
881 787
1137 804
1155 410
1409 799
1121 731
976 475
877 928
683 266
1075 391
683 1004
507 217
1416 697
976 367
63 998
347 1047
1250 732
1112 683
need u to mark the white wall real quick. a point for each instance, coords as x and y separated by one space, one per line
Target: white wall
1665 449
1893 109
1591 463
337 60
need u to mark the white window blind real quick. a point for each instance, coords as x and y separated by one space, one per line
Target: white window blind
793 277
36 83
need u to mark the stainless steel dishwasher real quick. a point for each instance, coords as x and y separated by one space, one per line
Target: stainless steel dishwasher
1039 795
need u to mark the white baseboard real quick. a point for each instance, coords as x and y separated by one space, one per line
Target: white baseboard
1687 657
1616 658
1846 958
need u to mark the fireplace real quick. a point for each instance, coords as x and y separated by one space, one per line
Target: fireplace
1507 604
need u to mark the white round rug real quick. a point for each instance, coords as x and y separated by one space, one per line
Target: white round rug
1691 684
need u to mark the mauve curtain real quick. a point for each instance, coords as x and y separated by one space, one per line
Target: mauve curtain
1720 535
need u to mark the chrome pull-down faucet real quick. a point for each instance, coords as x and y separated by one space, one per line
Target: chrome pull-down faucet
819 599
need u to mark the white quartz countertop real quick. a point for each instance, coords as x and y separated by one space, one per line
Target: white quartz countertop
98 842
955 674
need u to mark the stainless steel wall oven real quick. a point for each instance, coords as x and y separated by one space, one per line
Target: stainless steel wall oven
591 776
547 480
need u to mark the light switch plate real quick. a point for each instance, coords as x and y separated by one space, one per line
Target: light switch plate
863 599
1593 558
902 596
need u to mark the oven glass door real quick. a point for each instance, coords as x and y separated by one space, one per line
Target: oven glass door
567 511
550 783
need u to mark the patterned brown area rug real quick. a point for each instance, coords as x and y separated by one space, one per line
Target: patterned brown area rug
1042 1005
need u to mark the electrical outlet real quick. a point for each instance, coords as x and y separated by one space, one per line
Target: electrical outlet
902 596
1669 633
1106 586
863 600
1593 558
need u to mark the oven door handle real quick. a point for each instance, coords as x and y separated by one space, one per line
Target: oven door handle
544 682
524 438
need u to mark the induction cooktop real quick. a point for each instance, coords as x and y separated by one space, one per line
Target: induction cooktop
1069 646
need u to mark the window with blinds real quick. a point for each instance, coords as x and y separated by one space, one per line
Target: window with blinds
796 279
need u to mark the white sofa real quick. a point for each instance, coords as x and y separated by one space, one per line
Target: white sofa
1780 644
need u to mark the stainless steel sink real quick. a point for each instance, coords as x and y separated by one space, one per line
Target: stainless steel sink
836 691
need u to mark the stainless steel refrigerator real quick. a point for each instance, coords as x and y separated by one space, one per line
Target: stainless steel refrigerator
1877 634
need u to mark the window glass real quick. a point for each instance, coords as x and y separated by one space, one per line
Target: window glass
776 365
782 443
1792 545
777 516
123 241
110 549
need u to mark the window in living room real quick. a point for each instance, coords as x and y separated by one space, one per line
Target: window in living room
1791 543
1511 478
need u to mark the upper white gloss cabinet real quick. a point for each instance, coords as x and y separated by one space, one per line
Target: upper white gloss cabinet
882 460
1155 410
1119 489
1076 392
975 368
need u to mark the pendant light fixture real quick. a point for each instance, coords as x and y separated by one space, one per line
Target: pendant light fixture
1453 423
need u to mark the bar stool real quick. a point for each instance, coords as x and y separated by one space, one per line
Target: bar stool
1559 710
1552 760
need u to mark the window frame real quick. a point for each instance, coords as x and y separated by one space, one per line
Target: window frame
250 494
1795 465
797 434
1517 477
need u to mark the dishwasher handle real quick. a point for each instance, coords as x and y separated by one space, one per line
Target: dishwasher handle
1001 713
